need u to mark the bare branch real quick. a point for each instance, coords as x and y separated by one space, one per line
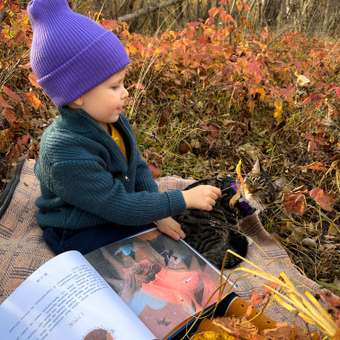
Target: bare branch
147 10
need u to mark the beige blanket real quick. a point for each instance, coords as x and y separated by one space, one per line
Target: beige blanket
22 249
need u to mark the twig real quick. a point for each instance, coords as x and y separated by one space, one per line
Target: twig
147 10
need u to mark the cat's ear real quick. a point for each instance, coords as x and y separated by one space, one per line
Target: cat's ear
256 170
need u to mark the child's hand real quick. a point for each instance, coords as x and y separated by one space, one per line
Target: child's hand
201 197
170 227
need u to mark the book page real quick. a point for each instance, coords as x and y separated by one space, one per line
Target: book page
163 281
67 299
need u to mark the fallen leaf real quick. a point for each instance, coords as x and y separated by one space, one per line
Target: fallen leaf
212 128
315 142
294 203
322 198
184 147
316 166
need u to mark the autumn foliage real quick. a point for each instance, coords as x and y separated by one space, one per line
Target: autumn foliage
198 95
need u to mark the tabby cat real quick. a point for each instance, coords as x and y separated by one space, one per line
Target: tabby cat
213 233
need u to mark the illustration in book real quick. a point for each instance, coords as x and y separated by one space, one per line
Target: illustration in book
163 281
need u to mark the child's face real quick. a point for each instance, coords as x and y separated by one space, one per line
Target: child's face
106 101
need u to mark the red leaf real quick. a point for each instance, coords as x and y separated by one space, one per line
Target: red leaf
16 98
337 90
294 203
253 69
156 172
24 140
324 200
10 116
212 128
4 104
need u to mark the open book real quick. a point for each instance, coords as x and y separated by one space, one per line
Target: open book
143 287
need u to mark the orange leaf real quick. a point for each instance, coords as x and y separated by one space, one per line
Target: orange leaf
34 100
294 203
110 24
213 12
16 98
33 80
156 172
317 166
225 17
256 298
324 200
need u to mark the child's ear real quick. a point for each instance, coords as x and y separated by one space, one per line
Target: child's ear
79 101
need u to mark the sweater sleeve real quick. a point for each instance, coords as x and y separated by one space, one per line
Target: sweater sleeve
144 179
88 186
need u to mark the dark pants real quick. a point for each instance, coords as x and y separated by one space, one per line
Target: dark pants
86 240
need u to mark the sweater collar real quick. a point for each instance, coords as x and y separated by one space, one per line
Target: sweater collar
81 122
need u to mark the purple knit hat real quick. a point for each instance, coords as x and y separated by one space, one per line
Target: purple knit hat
71 53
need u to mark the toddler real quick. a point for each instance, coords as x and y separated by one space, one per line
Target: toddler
95 187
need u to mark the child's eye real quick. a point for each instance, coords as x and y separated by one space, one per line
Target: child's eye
115 87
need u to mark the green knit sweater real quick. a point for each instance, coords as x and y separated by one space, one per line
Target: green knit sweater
86 181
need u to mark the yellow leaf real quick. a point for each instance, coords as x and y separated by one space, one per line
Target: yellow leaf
157 51
278 110
238 168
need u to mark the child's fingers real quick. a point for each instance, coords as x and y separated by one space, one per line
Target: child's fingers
170 232
217 191
214 191
176 227
181 233
211 202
